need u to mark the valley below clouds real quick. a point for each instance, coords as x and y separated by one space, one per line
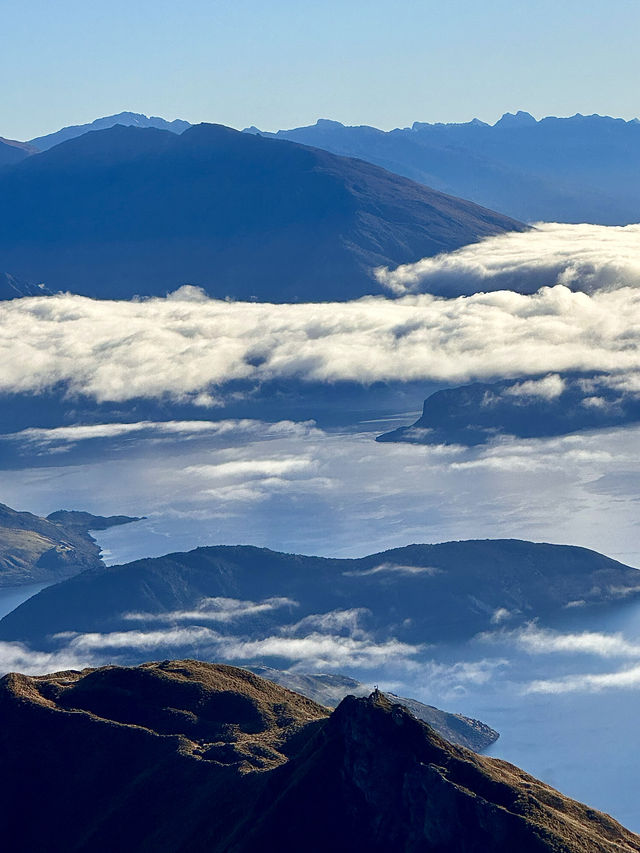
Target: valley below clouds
145 421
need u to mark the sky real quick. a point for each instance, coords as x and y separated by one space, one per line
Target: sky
286 63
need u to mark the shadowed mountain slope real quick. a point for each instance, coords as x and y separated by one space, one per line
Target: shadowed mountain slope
46 550
13 152
419 593
132 210
184 756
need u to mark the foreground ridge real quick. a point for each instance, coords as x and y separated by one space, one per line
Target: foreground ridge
188 756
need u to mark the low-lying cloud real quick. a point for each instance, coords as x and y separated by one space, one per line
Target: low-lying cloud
188 349
588 682
582 257
43 437
335 621
316 650
540 641
218 609
393 569
536 640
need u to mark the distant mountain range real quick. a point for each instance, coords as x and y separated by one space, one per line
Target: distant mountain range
45 550
127 119
532 408
132 210
183 756
578 169
417 594
574 169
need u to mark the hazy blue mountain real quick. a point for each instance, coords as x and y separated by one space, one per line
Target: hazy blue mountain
13 152
578 169
418 593
134 210
533 408
43 143
330 690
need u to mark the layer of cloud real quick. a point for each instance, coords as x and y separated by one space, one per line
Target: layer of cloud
218 609
535 640
335 621
548 388
394 568
18 657
540 641
583 257
167 429
357 496
118 351
588 682
315 650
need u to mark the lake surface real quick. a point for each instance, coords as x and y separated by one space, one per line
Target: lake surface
295 487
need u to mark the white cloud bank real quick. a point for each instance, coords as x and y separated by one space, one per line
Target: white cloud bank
541 641
582 257
589 682
393 568
186 348
218 609
316 650
164 429
536 640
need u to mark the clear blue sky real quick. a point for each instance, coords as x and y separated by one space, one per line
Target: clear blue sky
285 63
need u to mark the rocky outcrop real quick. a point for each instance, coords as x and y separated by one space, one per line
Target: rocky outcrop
329 689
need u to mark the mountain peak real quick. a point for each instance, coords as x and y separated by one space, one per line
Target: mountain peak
212 205
208 757
519 119
327 122
127 118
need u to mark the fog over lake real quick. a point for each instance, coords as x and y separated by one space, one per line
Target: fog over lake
291 486
294 487
235 423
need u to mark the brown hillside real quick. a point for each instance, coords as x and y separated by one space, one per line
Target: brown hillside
187 756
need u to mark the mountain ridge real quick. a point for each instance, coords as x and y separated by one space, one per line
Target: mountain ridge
209 757
448 591
140 211
126 118
574 169
331 689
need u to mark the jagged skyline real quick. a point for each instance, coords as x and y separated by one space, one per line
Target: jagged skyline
284 65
